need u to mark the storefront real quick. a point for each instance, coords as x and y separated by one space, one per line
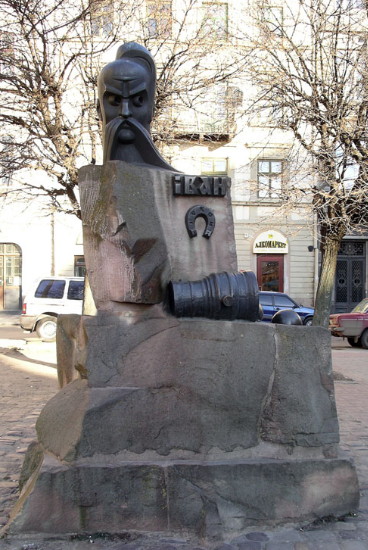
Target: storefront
270 248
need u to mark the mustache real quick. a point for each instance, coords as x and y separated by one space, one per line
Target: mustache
142 143
112 130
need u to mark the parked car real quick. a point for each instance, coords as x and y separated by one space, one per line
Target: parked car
49 297
353 325
272 302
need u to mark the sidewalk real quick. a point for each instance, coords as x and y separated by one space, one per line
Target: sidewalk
27 382
9 318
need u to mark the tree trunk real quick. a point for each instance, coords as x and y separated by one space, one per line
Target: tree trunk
326 283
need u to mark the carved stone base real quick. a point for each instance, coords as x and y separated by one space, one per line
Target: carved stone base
196 425
208 499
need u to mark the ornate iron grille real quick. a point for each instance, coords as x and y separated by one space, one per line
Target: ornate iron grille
352 248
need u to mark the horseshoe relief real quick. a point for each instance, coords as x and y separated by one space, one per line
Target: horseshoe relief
200 211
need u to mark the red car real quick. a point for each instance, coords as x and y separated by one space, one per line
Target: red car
353 326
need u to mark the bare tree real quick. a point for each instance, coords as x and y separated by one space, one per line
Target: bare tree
309 68
43 45
50 54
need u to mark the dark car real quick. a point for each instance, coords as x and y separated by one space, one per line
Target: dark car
272 302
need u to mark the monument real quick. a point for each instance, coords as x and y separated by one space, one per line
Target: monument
188 414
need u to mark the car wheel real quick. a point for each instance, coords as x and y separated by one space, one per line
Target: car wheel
308 321
364 339
46 329
355 343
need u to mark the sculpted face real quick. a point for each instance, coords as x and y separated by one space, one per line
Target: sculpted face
125 91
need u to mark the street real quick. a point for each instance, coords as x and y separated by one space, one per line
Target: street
28 379
14 333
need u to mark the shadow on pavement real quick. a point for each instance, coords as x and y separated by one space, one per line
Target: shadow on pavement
22 357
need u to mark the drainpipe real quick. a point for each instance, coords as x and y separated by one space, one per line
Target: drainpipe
52 243
316 257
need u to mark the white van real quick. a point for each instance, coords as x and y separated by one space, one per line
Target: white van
50 297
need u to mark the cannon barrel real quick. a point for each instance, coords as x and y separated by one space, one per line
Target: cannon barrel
226 296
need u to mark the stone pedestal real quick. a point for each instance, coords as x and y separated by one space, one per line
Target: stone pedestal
191 426
178 425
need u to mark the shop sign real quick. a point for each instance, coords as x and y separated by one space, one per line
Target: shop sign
271 242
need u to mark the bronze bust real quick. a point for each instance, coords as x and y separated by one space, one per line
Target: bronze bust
126 91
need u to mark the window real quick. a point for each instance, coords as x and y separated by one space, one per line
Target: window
8 248
10 276
351 4
214 166
159 18
102 18
351 248
208 114
10 264
216 18
266 300
50 288
76 290
7 154
79 266
7 40
214 113
269 178
270 273
211 112
283 301
273 17
12 269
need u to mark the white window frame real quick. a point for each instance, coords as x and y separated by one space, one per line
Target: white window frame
273 180
214 163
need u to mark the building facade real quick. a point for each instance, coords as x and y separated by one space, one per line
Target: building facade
34 243
279 244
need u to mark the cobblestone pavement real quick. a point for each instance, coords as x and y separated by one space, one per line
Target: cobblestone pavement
28 380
